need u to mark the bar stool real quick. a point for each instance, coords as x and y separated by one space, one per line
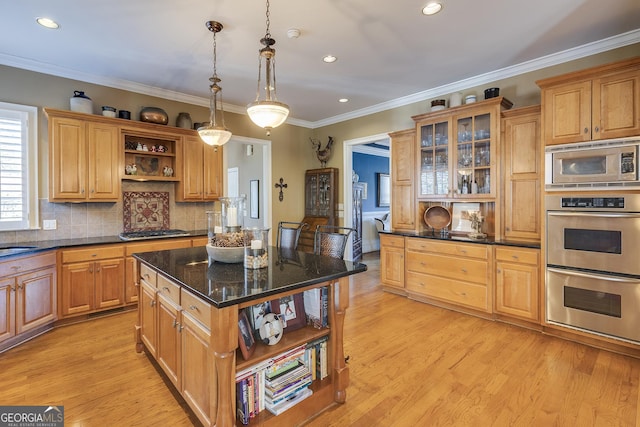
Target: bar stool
331 240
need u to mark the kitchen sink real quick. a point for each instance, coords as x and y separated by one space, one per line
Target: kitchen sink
12 250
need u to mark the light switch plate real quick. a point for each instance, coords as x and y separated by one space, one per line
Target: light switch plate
49 224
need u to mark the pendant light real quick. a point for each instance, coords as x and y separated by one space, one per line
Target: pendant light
267 113
212 133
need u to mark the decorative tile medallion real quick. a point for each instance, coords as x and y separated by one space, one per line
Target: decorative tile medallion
145 210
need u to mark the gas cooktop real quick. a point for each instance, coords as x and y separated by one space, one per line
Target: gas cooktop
151 234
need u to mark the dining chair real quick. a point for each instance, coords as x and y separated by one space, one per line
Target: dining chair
289 234
331 240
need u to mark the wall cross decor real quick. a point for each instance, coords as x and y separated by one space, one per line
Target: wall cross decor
281 185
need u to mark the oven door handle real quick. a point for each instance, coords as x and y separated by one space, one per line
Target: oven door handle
595 214
592 275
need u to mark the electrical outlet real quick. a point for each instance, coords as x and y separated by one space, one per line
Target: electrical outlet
49 224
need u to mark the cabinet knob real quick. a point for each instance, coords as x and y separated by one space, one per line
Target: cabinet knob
464 270
153 303
586 130
499 271
193 307
597 129
175 323
20 287
514 256
164 288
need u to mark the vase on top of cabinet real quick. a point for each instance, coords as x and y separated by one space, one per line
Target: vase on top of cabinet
457 151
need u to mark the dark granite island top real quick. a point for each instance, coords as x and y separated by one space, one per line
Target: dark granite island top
194 334
223 285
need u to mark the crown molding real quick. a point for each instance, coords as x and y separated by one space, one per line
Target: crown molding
593 48
561 57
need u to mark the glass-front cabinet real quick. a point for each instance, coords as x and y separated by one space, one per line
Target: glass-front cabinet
458 150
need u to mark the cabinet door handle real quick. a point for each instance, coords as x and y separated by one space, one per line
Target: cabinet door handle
499 271
193 307
514 256
16 267
164 288
91 270
175 323
464 251
586 130
464 270
153 303
597 129
146 276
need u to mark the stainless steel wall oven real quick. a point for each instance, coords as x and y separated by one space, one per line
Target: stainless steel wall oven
593 264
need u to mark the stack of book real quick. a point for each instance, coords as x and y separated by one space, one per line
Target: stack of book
275 384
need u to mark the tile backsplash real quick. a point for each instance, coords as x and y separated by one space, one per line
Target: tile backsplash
81 220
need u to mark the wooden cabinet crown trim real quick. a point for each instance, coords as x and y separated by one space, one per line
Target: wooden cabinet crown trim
590 73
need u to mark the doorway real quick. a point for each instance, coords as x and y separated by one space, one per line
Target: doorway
249 160
349 147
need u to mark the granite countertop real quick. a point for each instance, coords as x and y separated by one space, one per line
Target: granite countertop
8 250
223 285
462 238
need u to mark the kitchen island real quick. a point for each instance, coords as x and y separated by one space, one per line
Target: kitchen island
188 323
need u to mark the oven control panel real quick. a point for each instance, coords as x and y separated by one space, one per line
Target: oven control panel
593 202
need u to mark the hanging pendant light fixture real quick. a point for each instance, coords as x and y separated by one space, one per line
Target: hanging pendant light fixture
212 133
267 113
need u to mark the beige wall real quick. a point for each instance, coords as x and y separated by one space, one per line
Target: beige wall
292 153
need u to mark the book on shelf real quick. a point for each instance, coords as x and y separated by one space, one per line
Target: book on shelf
292 401
316 306
280 382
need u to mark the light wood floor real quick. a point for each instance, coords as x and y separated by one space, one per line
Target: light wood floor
411 364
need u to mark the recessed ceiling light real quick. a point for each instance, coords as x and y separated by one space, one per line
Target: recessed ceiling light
432 8
329 59
48 23
343 100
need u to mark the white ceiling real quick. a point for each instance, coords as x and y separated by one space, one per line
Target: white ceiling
388 52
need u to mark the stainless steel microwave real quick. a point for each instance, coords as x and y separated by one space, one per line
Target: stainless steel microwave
595 165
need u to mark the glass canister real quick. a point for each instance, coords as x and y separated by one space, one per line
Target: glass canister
256 250
232 212
214 225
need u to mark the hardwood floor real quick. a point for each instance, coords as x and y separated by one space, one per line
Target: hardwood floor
411 364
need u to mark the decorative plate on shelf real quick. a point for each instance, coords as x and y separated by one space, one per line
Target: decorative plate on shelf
437 217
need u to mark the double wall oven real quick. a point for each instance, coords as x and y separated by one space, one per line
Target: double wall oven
593 264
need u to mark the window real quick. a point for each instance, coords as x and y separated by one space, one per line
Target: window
18 171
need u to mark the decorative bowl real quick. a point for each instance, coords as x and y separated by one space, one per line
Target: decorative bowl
227 255
492 92
437 217
154 115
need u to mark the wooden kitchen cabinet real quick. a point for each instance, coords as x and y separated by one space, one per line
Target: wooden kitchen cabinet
201 177
84 158
403 199
456 274
521 163
197 361
174 329
518 283
392 262
147 308
168 352
457 148
92 279
593 104
27 297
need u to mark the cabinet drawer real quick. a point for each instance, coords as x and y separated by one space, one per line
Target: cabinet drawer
525 256
92 254
27 263
169 289
391 241
470 270
199 241
197 308
452 291
449 248
149 275
132 248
